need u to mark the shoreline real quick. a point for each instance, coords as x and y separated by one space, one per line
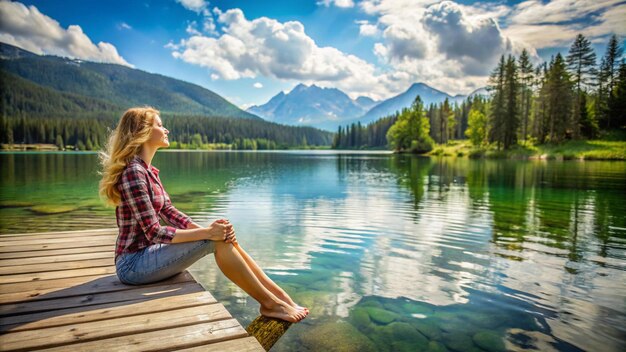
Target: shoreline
572 150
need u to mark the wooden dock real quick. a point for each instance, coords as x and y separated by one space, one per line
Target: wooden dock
59 292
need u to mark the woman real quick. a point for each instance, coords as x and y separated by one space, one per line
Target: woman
147 251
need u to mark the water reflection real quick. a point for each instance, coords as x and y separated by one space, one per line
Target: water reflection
398 252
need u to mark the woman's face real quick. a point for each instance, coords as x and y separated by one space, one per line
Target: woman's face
159 134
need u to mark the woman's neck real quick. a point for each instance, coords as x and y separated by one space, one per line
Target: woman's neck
146 154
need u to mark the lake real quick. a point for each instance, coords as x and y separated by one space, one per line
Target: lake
389 252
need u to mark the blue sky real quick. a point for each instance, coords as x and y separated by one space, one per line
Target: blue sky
247 51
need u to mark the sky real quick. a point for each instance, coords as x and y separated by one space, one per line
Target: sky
247 51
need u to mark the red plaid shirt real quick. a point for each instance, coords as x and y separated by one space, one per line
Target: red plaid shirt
144 201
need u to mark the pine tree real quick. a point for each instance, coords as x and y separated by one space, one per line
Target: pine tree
539 104
511 121
498 108
559 99
610 71
581 62
617 103
59 142
526 80
446 116
613 54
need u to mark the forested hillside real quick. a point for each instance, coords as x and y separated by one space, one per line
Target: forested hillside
47 99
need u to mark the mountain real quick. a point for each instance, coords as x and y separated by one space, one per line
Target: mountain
365 102
116 85
325 108
428 94
390 106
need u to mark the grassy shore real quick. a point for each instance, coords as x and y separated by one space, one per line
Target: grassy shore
570 150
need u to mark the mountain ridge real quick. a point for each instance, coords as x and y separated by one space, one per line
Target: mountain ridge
288 108
325 108
119 85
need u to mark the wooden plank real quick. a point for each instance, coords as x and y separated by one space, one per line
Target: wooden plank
49 289
53 252
105 311
5 279
47 236
103 329
164 340
113 230
246 344
38 268
96 241
137 292
56 258
50 284
35 241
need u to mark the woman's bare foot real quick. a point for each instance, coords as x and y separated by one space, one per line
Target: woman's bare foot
283 311
283 296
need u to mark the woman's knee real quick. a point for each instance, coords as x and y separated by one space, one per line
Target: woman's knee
223 247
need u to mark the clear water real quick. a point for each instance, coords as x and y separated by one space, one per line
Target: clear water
391 253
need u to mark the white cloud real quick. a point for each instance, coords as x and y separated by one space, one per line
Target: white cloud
258 85
367 29
556 23
474 44
194 5
124 25
445 45
266 47
192 28
31 30
556 11
338 3
208 25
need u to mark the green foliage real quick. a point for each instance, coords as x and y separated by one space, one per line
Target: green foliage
581 61
411 130
477 130
504 113
356 136
617 101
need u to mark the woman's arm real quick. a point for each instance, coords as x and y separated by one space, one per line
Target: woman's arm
219 230
191 234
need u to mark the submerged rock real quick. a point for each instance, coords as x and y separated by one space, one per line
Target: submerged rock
485 319
428 328
360 319
381 316
370 302
340 336
489 341
316 301
434 346
458 341
406 332
418 308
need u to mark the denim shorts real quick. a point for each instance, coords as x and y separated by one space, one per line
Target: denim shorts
160 261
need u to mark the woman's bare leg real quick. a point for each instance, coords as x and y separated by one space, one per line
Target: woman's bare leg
236 269
265 280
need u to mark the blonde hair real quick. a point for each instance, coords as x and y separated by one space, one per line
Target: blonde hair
134 129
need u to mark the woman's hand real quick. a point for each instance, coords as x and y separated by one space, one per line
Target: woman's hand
222 230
